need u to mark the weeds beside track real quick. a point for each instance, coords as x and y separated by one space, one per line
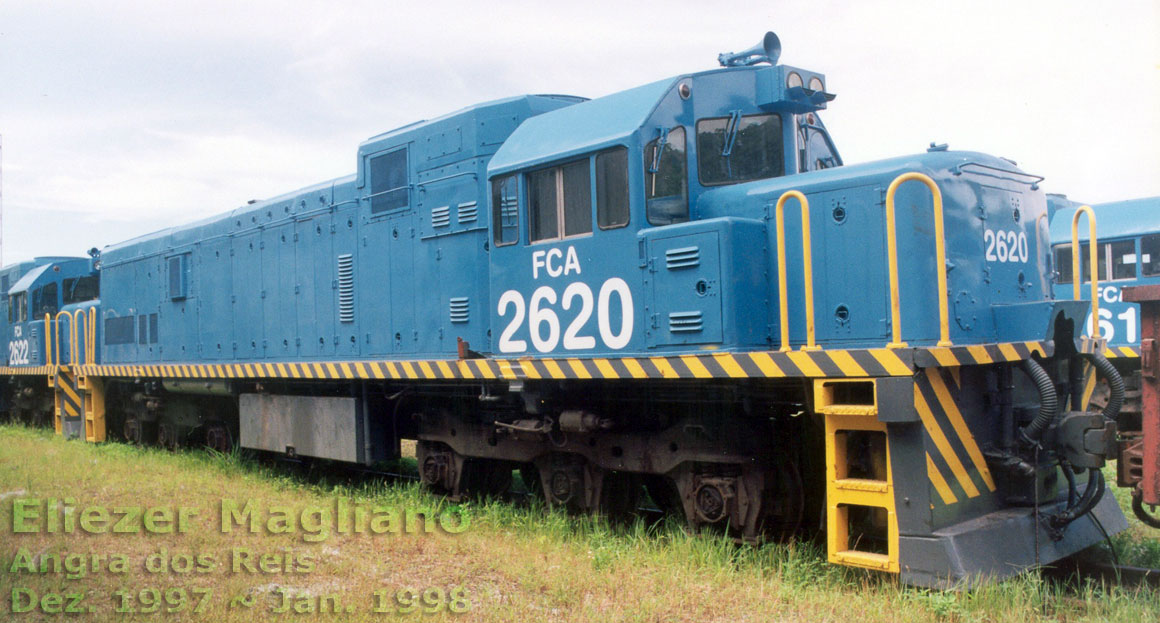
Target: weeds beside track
518 562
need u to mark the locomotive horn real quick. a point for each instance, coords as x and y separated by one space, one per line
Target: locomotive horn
765 52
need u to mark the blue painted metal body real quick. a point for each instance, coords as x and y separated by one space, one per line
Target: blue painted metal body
398 260
320 273
1132 229
731 292
47 285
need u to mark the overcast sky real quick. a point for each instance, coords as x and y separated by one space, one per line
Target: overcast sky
120 118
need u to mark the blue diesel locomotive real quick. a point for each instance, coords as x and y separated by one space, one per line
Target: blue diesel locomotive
1128 257
677 289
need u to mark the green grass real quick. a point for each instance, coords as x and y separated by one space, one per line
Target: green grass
1139 545
517 562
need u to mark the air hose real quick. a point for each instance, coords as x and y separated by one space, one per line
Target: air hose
1138 508
1115 384
1091 496
1048 402
1048 409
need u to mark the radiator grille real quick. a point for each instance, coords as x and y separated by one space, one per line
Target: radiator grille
685 322
684 257
441 216
346 288
459 309
468 212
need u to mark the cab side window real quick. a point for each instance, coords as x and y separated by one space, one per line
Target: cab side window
389 187
17 309
44 300
612 188
666 178
80 290
1123 258
560 202
1119 255
1150 255
505 210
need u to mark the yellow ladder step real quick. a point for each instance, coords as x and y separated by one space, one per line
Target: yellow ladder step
848 410
862 485
867 560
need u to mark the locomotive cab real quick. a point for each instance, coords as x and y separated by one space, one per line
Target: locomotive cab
584 197
51 289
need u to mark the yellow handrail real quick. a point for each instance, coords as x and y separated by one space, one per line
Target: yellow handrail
79 318
92 334
72 336
941 258
1075 274
808 268
48 339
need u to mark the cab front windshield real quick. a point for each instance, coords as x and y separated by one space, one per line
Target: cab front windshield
739 148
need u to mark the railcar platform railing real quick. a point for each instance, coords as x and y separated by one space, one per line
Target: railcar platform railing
807 269
1076 276
940 258
86 319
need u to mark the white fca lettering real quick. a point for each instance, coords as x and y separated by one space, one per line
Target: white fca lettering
1111 294
550 261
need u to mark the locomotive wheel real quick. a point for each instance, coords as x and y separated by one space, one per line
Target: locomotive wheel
139 432
131 431
436 466
168 436
218 438
751 504
783 506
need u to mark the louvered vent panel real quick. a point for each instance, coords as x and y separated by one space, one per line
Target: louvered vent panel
468 212
441 216
346 288
459 309
684 257
685 322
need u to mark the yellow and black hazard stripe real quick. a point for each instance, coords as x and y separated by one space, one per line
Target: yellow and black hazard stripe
979 354
955 464
1115 352
69 402
816 364
27 370
874 362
